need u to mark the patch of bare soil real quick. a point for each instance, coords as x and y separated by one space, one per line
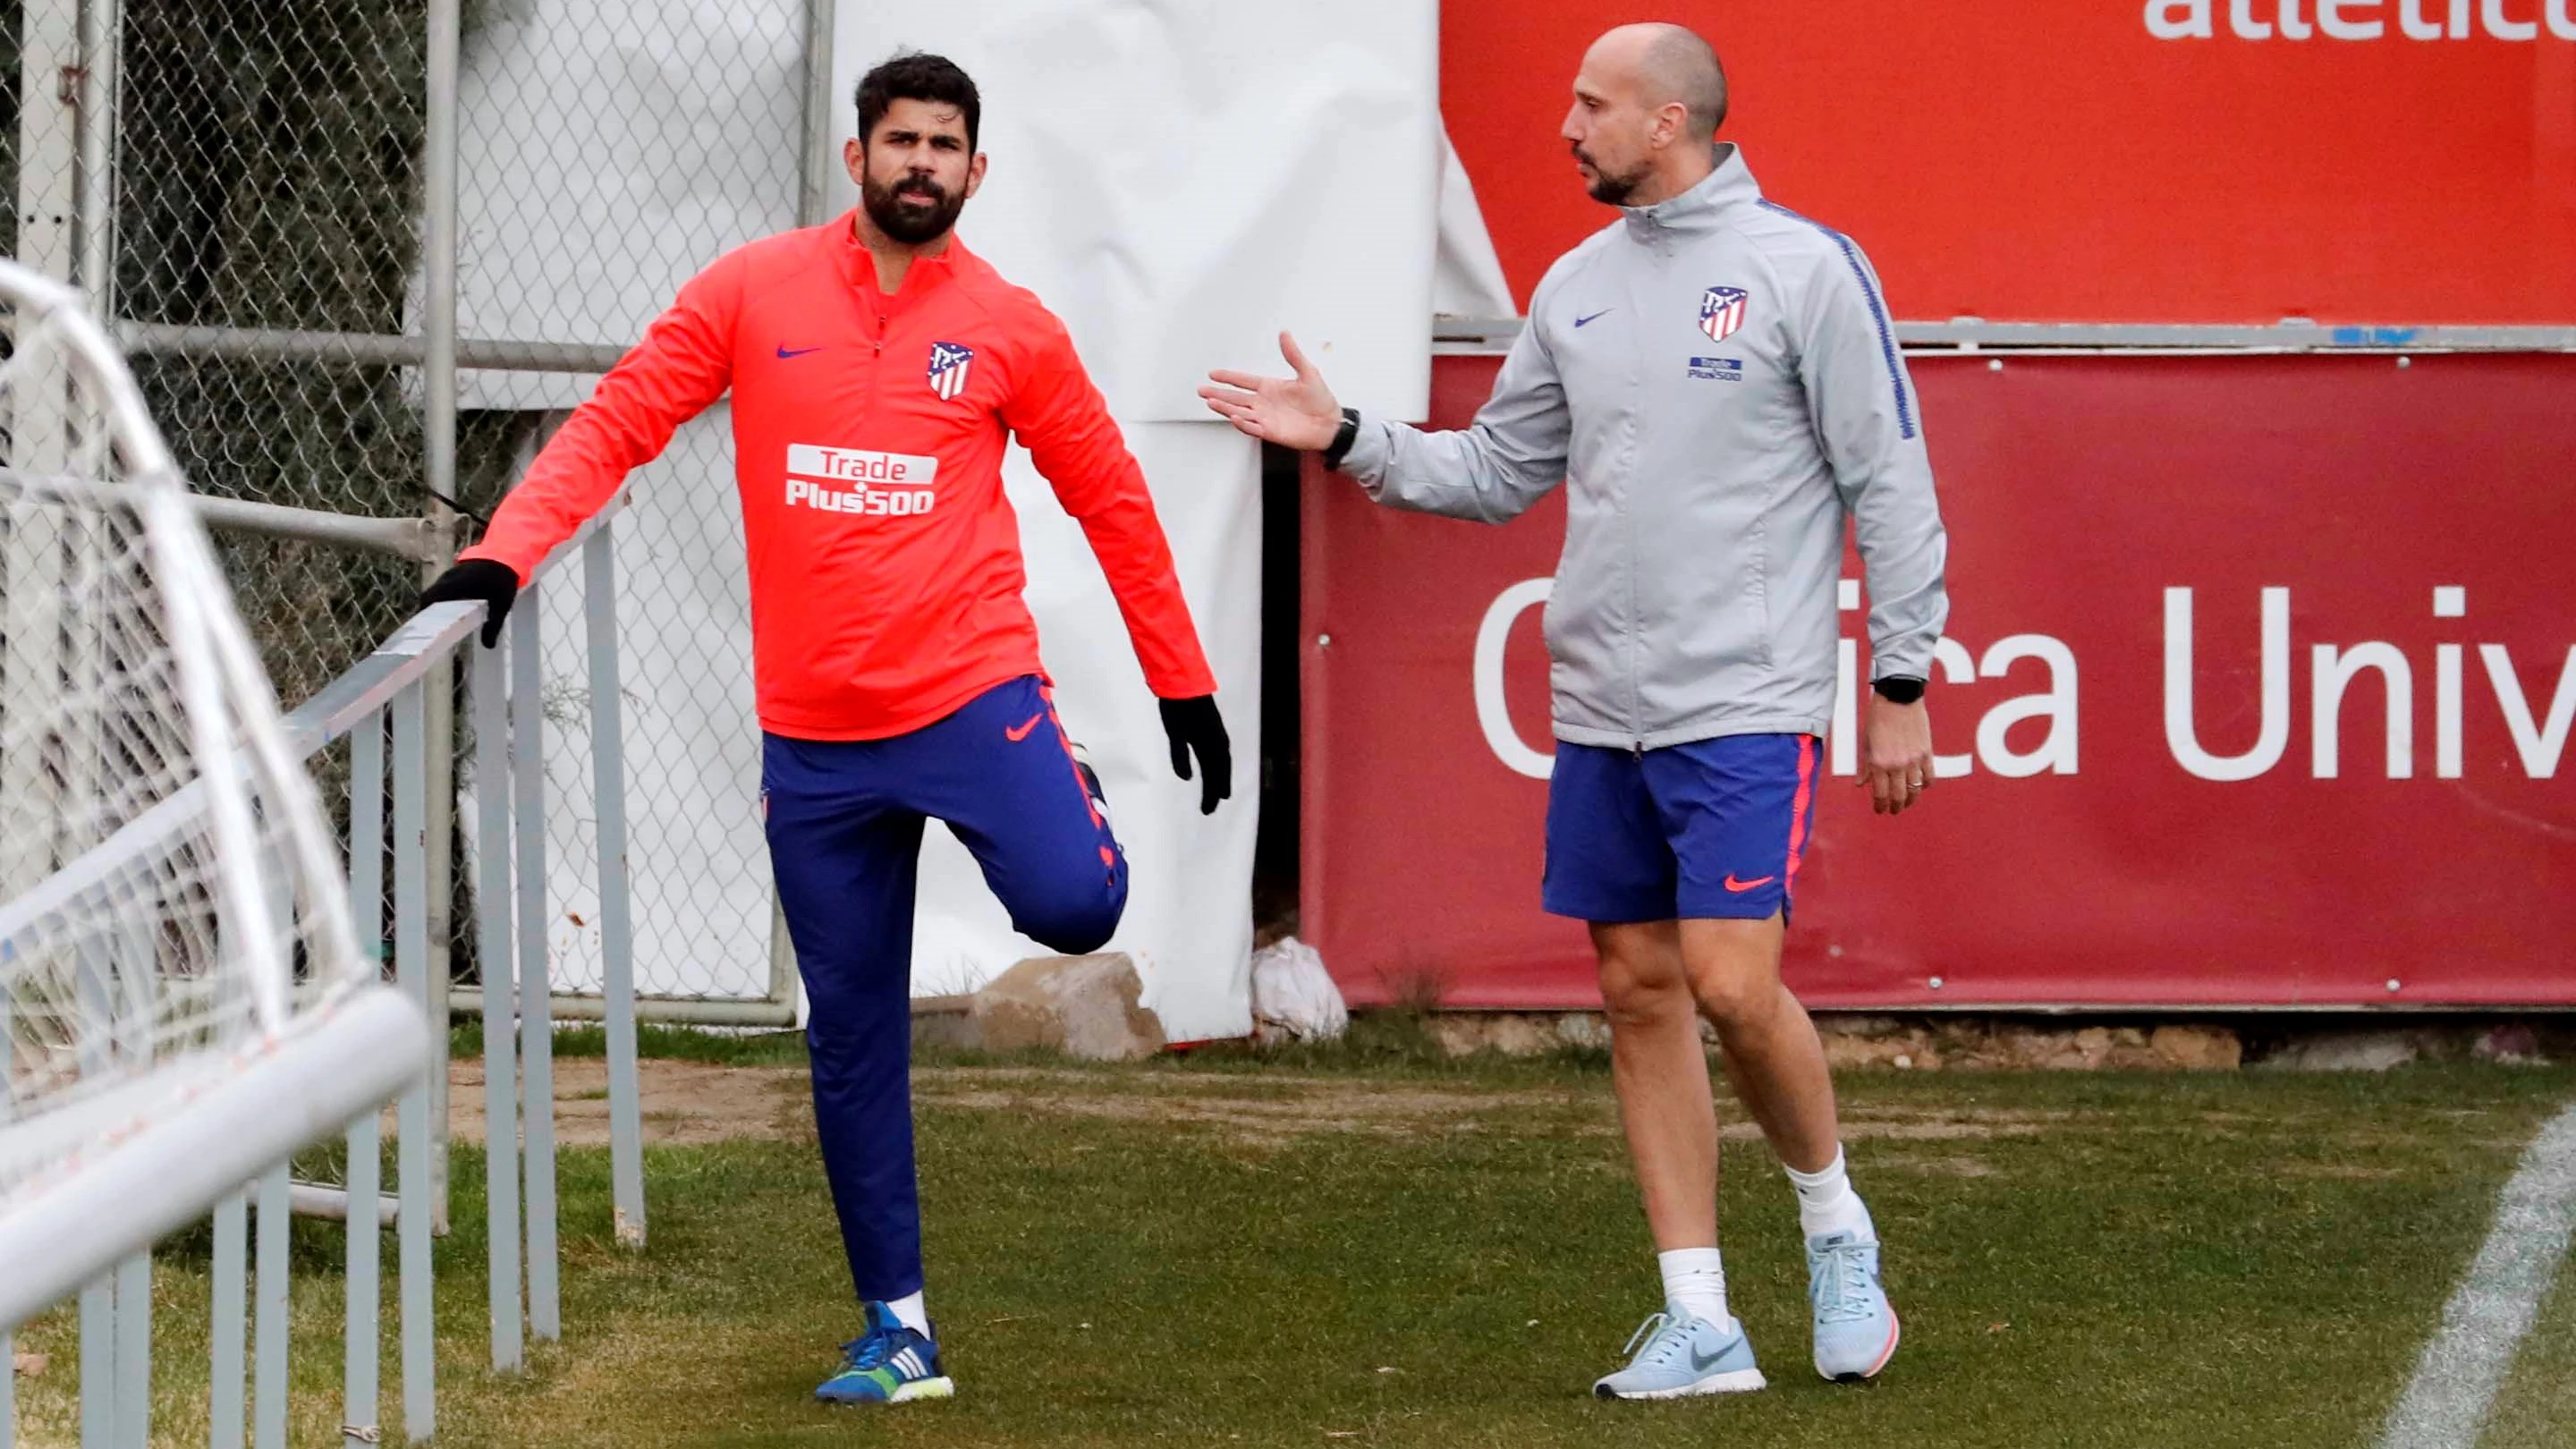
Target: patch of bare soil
1271 1109
1941 1166
2338 1171
685 1103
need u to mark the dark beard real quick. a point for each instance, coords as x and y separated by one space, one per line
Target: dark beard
1612 190
907 224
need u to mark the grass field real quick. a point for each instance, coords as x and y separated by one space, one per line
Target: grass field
1371 1248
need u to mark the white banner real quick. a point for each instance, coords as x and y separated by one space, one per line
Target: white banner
1189 907
1178 183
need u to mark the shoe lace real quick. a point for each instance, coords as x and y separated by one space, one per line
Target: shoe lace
1662 1335
1840 1289
866 1352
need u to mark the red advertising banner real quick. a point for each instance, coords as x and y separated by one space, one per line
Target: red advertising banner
2258 691
2238 161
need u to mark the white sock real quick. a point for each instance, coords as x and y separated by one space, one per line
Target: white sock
1827 1204
1695 1283
910 1311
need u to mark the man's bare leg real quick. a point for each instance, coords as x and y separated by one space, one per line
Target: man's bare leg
1773 1057
1660 1072
1777 1066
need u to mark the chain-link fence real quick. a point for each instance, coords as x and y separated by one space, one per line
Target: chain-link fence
250 189
606 154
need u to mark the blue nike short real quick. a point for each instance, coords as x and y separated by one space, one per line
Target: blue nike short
1708 830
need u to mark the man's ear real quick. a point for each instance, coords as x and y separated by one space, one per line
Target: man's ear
1672 122
854 158
975 175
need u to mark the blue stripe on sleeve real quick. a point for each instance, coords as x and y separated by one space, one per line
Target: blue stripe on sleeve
1877 314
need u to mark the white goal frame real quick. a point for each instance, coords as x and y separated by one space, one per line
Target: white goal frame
98 1175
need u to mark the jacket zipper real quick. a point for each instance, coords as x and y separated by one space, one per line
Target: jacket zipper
877 321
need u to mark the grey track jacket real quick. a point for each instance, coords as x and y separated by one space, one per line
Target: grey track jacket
1716 381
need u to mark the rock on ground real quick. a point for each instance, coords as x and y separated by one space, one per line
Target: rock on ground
1083 1006
2347 1051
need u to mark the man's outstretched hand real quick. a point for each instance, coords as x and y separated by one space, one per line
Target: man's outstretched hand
1196 728
478 581
1294 412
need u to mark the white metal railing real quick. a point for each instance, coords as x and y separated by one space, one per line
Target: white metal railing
381 708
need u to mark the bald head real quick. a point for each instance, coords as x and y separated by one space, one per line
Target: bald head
1647 105
1667 65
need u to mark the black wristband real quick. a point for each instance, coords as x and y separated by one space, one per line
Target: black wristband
1349 433
1898 688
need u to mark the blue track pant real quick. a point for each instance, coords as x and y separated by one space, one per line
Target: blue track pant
845 821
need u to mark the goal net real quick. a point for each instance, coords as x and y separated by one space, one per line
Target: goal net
182 1003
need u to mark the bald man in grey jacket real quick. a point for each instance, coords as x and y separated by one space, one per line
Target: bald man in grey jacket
1715 380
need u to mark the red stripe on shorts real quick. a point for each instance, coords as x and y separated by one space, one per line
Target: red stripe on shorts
1798 810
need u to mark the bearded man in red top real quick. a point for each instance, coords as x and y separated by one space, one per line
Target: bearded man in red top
878 370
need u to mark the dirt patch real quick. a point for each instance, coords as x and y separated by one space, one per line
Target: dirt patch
1934 1166
1264 1112
685 1103
1288 1107
2338 1171
693 1103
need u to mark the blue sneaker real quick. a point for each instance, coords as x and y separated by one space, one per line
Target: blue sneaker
1855 1328
1683 1356
888 1364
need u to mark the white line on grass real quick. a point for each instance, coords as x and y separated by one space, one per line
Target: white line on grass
2446 1403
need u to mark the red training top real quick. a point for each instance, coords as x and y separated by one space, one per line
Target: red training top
868 437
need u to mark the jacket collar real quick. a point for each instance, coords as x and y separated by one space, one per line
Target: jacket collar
859 267
1704 207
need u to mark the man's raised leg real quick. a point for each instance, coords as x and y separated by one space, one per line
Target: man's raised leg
1003 775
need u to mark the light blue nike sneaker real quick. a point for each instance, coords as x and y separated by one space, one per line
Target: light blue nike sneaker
1683 1356
1855 1327
888 1364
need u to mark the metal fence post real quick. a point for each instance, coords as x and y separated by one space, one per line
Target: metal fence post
268 1310
616 925
362 1307
536 979
225 1400
8 1344
411 968
134 1351
94 127
438 417
500 1056
97 1363
820 168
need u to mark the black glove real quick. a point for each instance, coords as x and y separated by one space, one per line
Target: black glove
477 581
1195 726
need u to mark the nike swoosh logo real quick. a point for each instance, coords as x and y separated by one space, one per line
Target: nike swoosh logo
1740 886
1017 735
1595 317
1700 1365
785 351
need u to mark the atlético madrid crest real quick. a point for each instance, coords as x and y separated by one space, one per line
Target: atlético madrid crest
1721 311
948 364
